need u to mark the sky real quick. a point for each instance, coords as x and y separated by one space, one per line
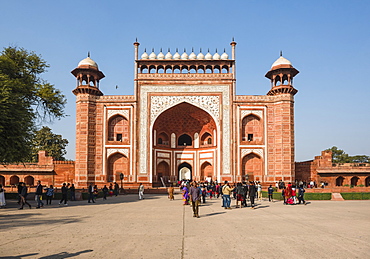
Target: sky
327 41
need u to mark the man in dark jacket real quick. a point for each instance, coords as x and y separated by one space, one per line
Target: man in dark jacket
38 195
270 191
23 196
252 193
91 193
64 194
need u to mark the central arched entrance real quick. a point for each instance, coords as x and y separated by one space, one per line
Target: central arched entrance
181 137
185 172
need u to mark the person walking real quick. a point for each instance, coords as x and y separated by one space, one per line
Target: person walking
105 192
301 192
239 195
38 195
170 192
259 191
49 194
19 189
226 190
141 191
64 194
2 197
91 193
116 189
195 198
72 189
23 195
270 191
252 193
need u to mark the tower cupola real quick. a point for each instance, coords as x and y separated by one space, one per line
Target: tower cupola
281 75
88 77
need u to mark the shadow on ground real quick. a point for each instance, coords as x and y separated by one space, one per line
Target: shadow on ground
53 256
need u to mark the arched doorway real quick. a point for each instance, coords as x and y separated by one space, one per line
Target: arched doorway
29 180
163 171
367 181
206 171
354 181
185 124
252 167
14 180
2 180
339 181
185 172
117 164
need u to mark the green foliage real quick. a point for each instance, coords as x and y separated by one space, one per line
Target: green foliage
339 156
25 99
45 139
317 196
356 195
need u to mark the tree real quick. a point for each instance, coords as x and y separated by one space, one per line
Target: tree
25 100
339 156
46 140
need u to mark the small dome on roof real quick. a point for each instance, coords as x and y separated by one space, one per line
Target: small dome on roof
224 55
152 55
176 55
145 55
184 55
216 56
168 55
192 55
160 55
88 62
208 56
200 55
281 61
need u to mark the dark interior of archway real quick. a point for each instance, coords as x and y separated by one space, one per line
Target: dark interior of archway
184 118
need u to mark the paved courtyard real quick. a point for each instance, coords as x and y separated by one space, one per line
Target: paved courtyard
124 227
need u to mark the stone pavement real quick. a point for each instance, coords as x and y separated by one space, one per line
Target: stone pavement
124 227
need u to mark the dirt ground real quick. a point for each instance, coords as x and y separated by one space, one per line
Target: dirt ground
125 227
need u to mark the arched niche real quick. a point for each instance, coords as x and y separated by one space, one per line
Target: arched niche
118 129
117 164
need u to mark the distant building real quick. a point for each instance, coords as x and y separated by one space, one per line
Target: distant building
323 170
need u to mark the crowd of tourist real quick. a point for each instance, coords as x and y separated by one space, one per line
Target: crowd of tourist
242 192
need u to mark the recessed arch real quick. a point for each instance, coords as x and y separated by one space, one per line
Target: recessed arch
117 164
2 180
184 140
339 181
252 129
14 180
252 167
354 180
118 129
29 180
206 171
185 171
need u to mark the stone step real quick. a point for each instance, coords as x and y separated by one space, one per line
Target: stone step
336 196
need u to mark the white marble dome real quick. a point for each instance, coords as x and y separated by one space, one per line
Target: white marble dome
168 55
176 55
152 55
160 55
144 55
208 56
224 56
281 61
216 56
88 62
184 55
192 55
200 56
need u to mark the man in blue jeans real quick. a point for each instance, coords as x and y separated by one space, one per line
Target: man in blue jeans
38 195
226 191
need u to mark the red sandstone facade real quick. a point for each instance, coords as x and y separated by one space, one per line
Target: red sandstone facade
184 121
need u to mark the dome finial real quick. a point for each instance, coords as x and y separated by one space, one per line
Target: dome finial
136 39
161 49
192 49
152 49
281 53
200 50
169 50
88 54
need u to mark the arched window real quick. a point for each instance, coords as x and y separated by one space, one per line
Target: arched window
163 139
29 180
2 180
367 181
184 140
14 180
252 129
206 139
339 181
118 129
354 181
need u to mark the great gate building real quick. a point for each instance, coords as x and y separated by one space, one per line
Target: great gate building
184 121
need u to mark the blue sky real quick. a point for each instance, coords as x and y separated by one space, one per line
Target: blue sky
327 41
